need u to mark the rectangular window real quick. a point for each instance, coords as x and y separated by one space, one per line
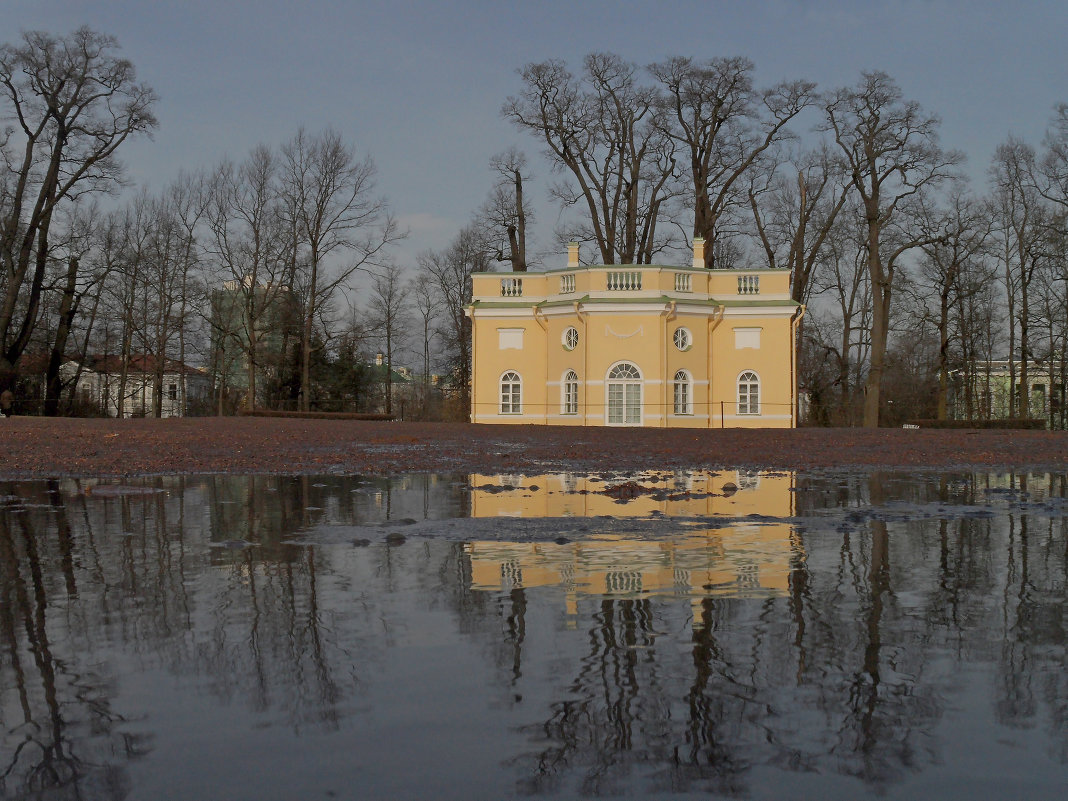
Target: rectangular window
570 397
172 391
615 403
634 404
682 398
748 393
511 389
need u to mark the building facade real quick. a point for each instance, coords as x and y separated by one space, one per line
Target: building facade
635 345
984 391
183 389
270 315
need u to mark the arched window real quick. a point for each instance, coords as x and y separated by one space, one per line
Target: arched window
569 393
624 395
683 393
748 393
511 393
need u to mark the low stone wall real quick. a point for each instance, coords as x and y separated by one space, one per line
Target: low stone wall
1029 423
317 415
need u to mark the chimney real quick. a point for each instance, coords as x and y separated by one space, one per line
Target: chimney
698 253
378 359
572 254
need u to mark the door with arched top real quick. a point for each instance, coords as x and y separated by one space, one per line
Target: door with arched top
624 395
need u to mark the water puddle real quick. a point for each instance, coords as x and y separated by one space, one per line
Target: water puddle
670 635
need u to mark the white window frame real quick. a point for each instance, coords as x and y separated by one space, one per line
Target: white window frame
682 392
569 393
748 384
683 338
510 393
624 384
570 338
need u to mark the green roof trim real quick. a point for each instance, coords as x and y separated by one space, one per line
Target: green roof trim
688 268
658 299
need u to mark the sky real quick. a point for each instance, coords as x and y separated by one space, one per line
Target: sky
419 85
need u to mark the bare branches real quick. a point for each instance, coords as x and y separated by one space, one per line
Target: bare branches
334 209
725 126
602 131
74 103
891 153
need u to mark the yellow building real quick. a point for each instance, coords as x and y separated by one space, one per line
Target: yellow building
635 345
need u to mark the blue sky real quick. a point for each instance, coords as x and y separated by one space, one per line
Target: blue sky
419 85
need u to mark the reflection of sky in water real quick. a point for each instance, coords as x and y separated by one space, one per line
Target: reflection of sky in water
822 636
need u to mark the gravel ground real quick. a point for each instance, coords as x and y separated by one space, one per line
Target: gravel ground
34 447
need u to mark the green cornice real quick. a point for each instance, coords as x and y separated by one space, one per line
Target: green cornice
586 300
599 267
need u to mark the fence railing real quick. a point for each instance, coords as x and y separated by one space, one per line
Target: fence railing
748 284
624 280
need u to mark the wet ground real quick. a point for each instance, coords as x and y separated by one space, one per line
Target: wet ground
663 633
35 447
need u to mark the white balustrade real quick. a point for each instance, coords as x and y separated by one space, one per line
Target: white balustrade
567 283
624 281
748 284
683 282
511 287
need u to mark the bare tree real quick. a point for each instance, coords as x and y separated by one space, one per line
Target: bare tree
128 288
335 213
892 154
506 213
797 212
74 286
427 308
958 237
603 132
74 102
1054 163
449 272
387 315
247 241
1020 222
188 199
836 349
724 126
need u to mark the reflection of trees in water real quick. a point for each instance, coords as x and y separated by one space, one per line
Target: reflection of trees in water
615 718
87 583
848 673
851 673
1032 688
60 735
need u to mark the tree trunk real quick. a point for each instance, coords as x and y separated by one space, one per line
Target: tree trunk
306 344
880 322
68 307
943 351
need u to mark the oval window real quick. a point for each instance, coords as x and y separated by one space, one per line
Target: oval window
571 338
683 339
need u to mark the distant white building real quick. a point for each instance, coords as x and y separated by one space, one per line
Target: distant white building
100 384
991 386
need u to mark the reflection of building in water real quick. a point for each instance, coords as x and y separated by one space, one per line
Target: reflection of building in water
682 494
747 559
